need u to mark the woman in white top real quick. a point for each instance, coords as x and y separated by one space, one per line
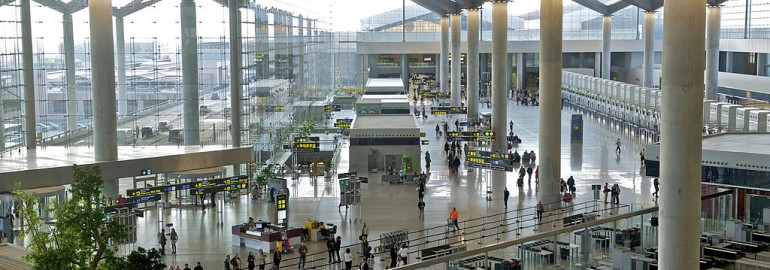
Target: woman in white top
348 259
403 253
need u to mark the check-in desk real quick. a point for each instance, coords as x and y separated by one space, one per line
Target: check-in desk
265 239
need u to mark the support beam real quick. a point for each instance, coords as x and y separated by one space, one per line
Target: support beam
606 46
549 137
235 72
29 75
405 72
761 64
521 75
103 80
681 139
712 51
190 92
120 44
472 63
499 80
444 59
69 64
649 49
456 61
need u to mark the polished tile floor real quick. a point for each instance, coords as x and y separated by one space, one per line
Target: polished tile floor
205 235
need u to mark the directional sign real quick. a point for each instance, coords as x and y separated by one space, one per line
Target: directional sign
344 120
332 108
342 125
424 142
306 139
143 199
441 110
186 186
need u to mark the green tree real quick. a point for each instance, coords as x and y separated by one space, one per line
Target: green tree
83 233
139 259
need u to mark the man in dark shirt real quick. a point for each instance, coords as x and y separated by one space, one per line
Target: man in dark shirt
198 267
186 267
227 263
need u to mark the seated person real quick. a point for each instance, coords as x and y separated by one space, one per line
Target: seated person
323 231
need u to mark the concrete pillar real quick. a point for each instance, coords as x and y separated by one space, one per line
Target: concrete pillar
29 75
680 157
69 64
472 64
520 72
190 83
301 53
499 90
405 71
761 64
649 49
456 61
499 64
728 61
484 65
712 51
444 59
606 46
235 71
103 80
549 137
120 47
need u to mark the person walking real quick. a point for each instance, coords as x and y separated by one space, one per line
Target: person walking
251 261
227 262
454 215
174 238
198 266
162 241
302 256
438 130
446 148
236 262
277 259
337 246
427 161
186 267
641 156
348 259
537 175
364 232
540 210
506 194
364 265
617 146
403 253
261 259
510 125
571 184
656 185
421 206
529 174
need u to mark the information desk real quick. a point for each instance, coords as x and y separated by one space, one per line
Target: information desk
265 239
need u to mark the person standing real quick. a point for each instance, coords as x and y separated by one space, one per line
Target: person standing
302 256
186 267
529 174
454 215
337 246
510 125
364 264
348 259
364 232
330 249
162 241
251 261
403 253
506 194
261 258
174 238
227 262
540 210
656 184
427 161
571 184
277 259
641 156
617 146
606 191
421 206
393 255
236 262
198 266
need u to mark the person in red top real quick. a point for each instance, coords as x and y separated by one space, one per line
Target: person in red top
453 215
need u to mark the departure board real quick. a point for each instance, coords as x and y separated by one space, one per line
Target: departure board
332 108
146 191
441 110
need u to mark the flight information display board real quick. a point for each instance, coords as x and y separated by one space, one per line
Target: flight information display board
332 108
343 123
143 199
443 110
157 190
306 139
471 136
488 160
436 95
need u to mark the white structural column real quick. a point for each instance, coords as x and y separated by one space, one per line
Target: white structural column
761 64
456 61
29 75
69 64
190 73
444 58
606 46
520 76
472 65
235 72
120 49
550 101
649 49
103 80
499 63
680 156
405 72
712 51
499 90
